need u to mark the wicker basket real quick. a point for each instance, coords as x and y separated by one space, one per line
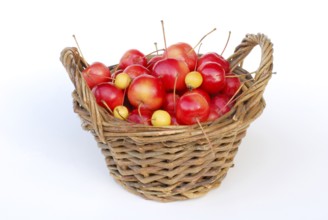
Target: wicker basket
175 162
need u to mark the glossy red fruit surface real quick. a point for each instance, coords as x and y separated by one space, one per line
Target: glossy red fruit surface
132 56
232 85
213 113
135 70
221 104
213 77
107 95
95 74
182 51
173 119
172 72
153 61
170 102
147 92
192 107
214 57
142 117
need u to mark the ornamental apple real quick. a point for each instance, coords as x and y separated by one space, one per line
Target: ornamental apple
146 92
170 102
132 56
214 57
141 116
221 104
108 95
182 51
172 72
232 84
152 61
135 70
95 74
213 77
192 107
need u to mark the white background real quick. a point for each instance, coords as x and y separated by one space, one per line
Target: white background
51 169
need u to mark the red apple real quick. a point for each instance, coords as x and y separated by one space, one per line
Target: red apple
192 107
213 77
172 72
170 102
146 92
107 95
182 51
142 117
95 74
203 93
221 104
213 113
135 70
214 57
232 84
132 56
152 62
173 119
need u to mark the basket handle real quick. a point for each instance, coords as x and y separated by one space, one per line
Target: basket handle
84 101
252 98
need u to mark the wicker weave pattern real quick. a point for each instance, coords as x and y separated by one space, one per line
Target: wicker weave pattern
175 162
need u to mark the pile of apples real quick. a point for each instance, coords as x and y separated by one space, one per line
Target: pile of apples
177 87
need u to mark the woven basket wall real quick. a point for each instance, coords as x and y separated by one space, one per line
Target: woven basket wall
174 162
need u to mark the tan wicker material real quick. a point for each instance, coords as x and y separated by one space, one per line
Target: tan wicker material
174 162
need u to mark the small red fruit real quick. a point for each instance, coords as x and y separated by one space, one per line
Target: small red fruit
172 72
192 108
232 84
213 113
214 57
213 77
182 51
221 104
146 92
170 102
173 119
135 70
108 95
132 56
142 117
203 93
153 61
95 74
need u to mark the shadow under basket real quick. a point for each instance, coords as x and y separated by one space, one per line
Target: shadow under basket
173 162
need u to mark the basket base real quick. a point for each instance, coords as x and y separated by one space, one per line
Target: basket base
170 196
205 177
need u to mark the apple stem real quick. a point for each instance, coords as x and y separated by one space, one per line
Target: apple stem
156 51
164 37
139 112
80 51
198 55
226 43
201 40
174 91
107 107
156 47
208 140
124 93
